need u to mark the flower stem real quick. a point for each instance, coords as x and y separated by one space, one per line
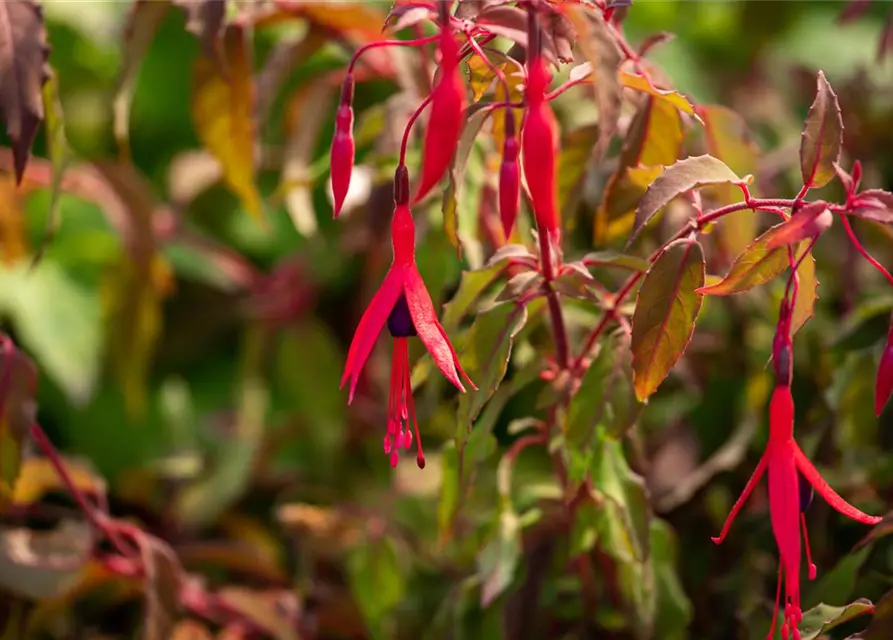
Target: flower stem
877 265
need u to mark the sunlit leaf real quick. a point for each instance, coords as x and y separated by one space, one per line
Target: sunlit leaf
822 618
23 70
666 308
674 98
142 21
38 477
807 222
223 112
875 205
683 176
822 136
757 265
807 293
617 260
573 164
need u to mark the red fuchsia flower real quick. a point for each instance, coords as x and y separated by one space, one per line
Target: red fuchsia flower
790 474
342 157
884 382
403 304
509 177
539 143
447 108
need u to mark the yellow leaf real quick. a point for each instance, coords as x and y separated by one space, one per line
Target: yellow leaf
363 19
515 81
38 477
13 243
223 113
639 83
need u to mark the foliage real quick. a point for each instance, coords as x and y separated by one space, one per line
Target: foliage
613 231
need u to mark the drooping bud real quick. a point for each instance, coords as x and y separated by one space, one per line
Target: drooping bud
539 143
445 125
884 383
509 177
343 149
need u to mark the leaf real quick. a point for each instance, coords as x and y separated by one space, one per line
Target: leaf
625 489
604 56
191 630
499 558
691 173
573 164
615 259
822 137
879 628
511 23
206 19
653 139
163 580
674 609
807 222
38 476
485 355
377 581
13 236
875 205
142 22
807 294
757 265
728 139
472 285
674 98
58 321
523 286
223 112
361 20
23 71
263 610
822 618
666 308
452 194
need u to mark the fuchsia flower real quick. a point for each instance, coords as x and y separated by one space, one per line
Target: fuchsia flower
403 304
790 474
343 151
509 177
539 143
447 109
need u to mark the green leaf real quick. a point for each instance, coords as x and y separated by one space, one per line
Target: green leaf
839 583
807 293
485 356
58 151
678 178
614 259
822 136
378 582
666 308
674 609
471 286
757 265
452 196
823 617
499 557
58 321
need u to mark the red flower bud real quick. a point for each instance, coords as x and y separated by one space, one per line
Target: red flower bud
509 177
884 383
539 143
343 149
445 125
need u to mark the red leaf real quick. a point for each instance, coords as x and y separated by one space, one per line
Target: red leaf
23 72
875 205
811 220
822 136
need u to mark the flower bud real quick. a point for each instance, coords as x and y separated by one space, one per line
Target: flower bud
539 142
343 149
509 177
884 383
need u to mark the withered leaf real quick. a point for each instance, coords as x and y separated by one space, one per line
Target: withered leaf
23 71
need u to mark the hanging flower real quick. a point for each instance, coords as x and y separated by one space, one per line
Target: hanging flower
539 143
447 110
343 148
403 303
789 472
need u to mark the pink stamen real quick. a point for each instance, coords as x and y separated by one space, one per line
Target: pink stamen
812 569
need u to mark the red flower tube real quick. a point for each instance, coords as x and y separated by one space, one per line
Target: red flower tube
403 303
342 156
539 143
884 382
509 177
445 125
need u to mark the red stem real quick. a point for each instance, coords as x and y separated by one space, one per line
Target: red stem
877 265
388 43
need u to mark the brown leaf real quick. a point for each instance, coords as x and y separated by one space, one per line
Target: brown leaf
265 610
511 23
822 137
163 579
600 48
141 24
223 113
191 630
666 308
205 19
13 241
23 71
691 173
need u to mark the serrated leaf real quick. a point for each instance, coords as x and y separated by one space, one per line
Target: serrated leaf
223 113
143 20
453 193
23 71
674 98
604 56
485 356
822 136
757 265
691 173
666 308
823 617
